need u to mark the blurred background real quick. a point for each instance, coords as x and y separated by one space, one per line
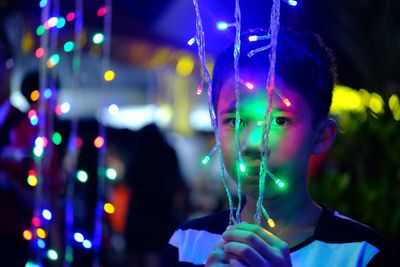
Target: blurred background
158 130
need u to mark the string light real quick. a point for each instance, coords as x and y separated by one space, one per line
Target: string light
82 176
109 75
109 208
111 174
101 11
40 30
39 52
191 41
285 100
87 244
27 234
32 180
52 254
60 23
65 107
56 138
222 25
41 233
253 38
47 214
207 158
69 46
113 109
290 2
41 243
99 142
70 16
98 38
42 3
79 237
36 222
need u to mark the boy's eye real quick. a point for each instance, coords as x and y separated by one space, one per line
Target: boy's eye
232 122
281 121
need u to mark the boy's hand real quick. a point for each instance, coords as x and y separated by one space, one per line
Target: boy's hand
250 245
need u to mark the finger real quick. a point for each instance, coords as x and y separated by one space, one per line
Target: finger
245 253
246 237
236 263
217 257
266 235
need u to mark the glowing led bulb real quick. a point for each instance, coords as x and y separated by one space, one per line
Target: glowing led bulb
99 142
191 41
222 25
52 254
253 38
287 102
52 22
56 138
82 176
111 174
109 208
205 160
41 233
79 237
109 75
47 214
32 180
280 183
87 244
41 244
98 38
271 223
27 234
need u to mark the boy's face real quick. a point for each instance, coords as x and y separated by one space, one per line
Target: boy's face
291 135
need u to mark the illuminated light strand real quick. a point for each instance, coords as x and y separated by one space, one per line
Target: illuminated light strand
207 158
290 2
270 222
222 25
273 32
248 85
254 38
72 152
200 87
200 40
191 41
236 55
284 99
257 50
101 184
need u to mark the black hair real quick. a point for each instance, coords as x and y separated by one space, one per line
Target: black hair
303 62
5 46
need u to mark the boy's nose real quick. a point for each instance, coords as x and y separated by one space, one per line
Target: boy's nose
252 137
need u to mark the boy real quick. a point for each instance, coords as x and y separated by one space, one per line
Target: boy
306 233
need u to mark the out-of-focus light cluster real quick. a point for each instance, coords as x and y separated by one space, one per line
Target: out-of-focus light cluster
33 118
80 239
394 105
346 99
185 66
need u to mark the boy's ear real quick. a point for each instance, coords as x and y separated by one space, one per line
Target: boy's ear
325 136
